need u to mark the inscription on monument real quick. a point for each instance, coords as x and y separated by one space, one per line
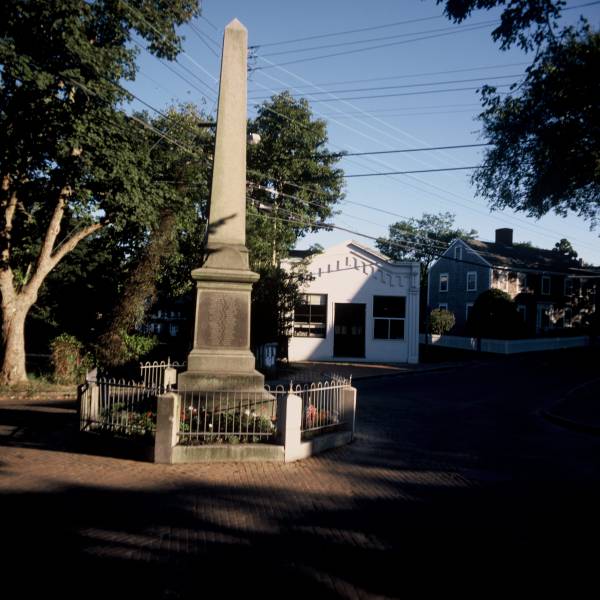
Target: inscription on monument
223 320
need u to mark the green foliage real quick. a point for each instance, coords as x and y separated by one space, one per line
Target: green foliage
565 248
494 315
233 427
546 148
118 347
524 22
290 160
441 321
422 239
68 359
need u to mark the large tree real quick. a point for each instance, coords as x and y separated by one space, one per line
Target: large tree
422 240
172 246
70 161
545 133
292 177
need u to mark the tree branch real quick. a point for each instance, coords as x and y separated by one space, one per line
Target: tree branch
71 242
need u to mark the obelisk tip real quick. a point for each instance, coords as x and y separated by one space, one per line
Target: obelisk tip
236 24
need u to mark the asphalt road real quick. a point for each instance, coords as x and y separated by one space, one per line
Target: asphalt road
455 485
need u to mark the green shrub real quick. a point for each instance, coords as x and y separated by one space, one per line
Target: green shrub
495 315
69 360
441 321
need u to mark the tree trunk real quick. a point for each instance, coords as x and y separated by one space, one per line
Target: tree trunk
13 337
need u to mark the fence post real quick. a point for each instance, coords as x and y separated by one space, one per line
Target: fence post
349 404
167 427
290 424
94 406
170 378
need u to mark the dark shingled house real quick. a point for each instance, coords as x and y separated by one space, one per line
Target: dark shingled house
552 291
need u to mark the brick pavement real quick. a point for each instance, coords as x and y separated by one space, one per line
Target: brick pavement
379 518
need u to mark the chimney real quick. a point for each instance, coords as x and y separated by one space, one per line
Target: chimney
504 236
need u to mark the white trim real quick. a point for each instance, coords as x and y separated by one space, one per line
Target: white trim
549 280
467 306
468 288
447 276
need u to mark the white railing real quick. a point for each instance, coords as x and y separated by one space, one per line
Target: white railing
216 417
506 346
120 407
153 373
322 404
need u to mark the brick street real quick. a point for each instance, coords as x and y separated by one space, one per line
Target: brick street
454 478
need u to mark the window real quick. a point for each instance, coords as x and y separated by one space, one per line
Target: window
388 317
310 316
468 309
444 278
443 306
522 310
458 252
545 285
502 280
471 281
569 286
521 282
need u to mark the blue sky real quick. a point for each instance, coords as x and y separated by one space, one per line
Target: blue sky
421 113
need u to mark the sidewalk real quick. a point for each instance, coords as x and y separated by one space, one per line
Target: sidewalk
319 370
579 409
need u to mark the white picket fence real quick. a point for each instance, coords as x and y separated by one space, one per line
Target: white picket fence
506 346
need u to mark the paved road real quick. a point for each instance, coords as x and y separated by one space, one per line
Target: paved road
455 483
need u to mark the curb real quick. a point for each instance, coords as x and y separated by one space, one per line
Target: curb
570 424
414 372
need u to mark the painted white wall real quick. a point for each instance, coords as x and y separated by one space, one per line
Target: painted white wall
353 273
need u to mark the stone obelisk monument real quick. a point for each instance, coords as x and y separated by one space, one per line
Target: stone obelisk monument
221 356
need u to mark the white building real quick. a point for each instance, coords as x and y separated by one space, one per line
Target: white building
358 306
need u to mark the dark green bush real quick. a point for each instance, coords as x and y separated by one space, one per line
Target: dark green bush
69 360
494 315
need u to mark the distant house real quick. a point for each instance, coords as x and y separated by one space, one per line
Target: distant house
168 320
358 306
551 291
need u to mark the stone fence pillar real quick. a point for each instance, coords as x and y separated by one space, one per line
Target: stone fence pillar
167 427
289 425
349 404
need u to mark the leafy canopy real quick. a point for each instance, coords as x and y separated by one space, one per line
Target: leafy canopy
423 239
527 23
545 134
61 63
292 174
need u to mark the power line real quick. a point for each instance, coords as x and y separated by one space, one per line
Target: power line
410 172
347 31
375 27
330 226
403 86
408 76
440 91
368 40
416 149
376 47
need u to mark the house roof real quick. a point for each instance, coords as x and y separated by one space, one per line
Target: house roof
296 255
528 258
